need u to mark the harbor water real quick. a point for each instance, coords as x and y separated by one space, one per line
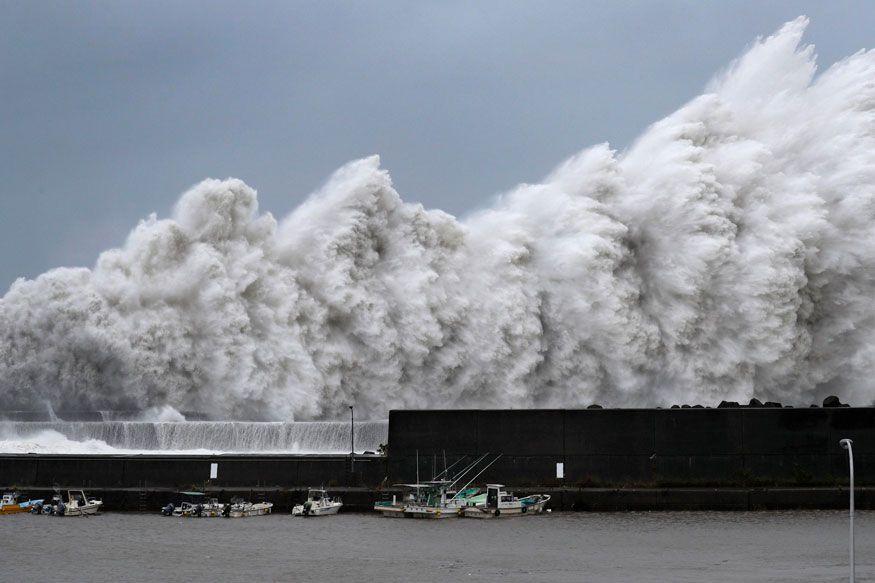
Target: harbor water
558 547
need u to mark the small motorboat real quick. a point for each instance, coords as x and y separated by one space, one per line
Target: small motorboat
240 508
498 502
10 504
318 503
78 504
212 508
390 508
194 505
51 507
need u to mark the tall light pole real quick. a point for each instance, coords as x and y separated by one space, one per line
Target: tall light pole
351 439
848 445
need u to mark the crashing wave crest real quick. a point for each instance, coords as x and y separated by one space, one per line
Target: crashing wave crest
729 252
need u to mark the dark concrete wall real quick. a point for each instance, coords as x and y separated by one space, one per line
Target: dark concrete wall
641 447
614 459
187 472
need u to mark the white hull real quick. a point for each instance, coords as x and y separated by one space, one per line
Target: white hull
390 511
207 511
508 511
86 510
328 510
423 512
429 512
258 509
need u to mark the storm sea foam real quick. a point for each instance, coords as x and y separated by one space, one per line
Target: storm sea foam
728 252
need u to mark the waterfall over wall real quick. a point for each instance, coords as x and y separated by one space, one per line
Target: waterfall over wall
213 436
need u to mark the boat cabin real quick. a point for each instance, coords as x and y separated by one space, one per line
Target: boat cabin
316 494
496 496
76 498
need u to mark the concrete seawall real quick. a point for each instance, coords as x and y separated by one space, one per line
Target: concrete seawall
190 472
612 459
767 447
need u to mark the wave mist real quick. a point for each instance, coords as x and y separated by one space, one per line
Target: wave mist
730 252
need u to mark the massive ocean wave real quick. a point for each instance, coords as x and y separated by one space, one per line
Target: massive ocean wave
728 253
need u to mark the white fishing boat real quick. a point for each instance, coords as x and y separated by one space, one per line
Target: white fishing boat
431 502
240 508
78 504
436 498
212 508
318 503
498 502
194 505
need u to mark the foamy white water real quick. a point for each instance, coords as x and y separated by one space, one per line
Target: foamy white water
728 253
189 437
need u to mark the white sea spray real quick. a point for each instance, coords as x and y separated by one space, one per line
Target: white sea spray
729 252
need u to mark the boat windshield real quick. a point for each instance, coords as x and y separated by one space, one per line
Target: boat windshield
77 496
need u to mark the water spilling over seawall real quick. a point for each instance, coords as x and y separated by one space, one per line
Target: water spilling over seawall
729 252
189 436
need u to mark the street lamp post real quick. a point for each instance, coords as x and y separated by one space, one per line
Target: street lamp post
351 439
848 445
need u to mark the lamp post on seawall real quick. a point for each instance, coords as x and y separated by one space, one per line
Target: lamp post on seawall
351 439
848 445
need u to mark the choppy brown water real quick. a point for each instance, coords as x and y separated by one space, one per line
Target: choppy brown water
563 547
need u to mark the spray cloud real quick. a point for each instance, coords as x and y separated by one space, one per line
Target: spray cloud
729 252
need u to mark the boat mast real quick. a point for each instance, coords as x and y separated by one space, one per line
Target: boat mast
462 489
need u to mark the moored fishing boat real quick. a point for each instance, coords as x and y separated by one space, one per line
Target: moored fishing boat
240 508
10 504
390 508
78 504
50 507
212 508
498 502
318 503
194 505
436 498
420 501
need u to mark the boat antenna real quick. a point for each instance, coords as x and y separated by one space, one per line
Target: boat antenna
470 467
461 459
462 489
417 467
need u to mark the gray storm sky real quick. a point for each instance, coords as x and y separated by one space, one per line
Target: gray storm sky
109 110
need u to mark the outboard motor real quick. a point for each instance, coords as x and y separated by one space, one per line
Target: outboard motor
60 508
308 505
167 510
226 510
